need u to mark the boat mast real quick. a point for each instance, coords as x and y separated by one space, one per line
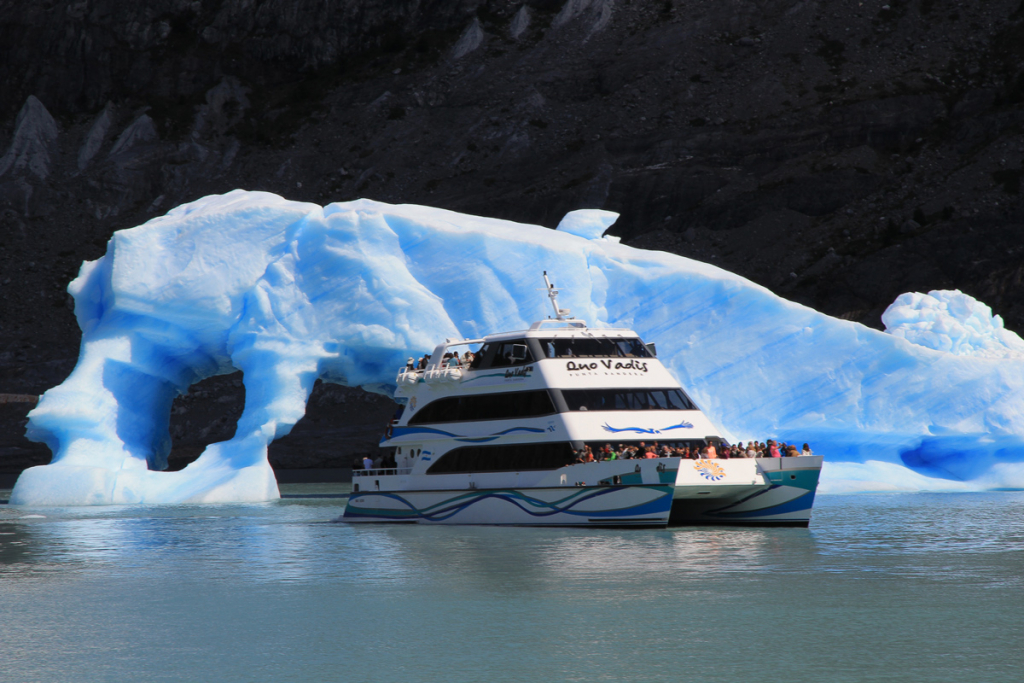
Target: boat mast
560 313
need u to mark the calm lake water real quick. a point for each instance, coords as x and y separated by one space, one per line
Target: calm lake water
900 587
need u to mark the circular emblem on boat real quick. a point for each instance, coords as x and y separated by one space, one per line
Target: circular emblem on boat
709 469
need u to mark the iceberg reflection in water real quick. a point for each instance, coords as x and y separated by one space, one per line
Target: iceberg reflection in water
920 587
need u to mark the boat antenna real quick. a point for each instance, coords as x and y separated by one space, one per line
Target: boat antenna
560 313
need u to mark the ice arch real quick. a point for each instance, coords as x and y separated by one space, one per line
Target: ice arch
288 292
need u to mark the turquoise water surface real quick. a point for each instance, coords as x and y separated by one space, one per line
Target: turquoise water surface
897 587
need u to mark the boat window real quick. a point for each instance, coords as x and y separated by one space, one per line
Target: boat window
503 406
478 357
627 399
506 458
590 347
513 352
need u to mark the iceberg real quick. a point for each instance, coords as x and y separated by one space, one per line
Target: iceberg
952 321
289 292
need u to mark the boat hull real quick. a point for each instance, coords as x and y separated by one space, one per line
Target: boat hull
594 506
781 494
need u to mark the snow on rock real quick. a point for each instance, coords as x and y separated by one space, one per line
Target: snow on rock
97 136
574 8
469 41
953 322
141 131
289 292
35 132
520 22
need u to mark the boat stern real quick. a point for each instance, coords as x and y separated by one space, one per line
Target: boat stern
756 491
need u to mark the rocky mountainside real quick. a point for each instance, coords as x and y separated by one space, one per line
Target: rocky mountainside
838 153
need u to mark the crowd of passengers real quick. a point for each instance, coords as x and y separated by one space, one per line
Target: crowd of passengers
448 360
753 449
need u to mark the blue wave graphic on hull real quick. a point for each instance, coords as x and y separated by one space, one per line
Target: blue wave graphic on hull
800 503
408 431
451 508
641 430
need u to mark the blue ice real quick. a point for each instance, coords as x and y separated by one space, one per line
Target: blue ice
288 292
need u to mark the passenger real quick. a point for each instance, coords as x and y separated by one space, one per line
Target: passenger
806 450
588 454
773 449
453 360
410 365
367 462
710 452
751 449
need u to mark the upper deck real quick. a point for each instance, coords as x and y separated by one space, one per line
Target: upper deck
544 356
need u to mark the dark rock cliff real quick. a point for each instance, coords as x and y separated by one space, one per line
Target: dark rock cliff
839 153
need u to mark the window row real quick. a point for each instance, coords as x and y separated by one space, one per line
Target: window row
594 347
525 457
512 458
627 399
521 351
485 407
522 404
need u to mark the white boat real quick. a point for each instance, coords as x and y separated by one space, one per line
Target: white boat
497 441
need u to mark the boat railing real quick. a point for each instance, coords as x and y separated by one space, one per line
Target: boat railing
443 373
381 472
451 373
409 377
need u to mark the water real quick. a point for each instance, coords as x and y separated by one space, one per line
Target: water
908 587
